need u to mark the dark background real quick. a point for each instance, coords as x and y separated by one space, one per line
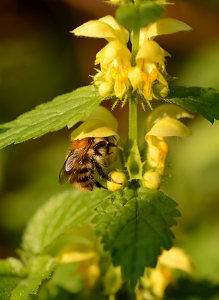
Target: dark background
40 59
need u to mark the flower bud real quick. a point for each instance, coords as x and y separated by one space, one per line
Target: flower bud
118 177
105 88
152 180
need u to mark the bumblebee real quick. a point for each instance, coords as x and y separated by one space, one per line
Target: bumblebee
85 156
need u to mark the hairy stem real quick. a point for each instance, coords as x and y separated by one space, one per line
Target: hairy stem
133 114
133 121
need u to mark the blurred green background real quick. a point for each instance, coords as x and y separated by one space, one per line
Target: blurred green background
40 59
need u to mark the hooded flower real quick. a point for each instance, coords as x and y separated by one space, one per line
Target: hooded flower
114 58
163 122
101 123
150 59
153 283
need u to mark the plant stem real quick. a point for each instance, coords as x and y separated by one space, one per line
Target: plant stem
133 124
135 43
133 114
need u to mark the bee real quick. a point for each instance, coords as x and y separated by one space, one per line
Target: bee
85 156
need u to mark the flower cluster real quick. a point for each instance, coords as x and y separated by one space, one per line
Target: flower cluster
117 74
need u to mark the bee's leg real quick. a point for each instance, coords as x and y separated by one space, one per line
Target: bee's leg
102 174
114 145
99 185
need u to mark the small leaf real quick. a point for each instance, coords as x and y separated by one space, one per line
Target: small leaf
204 101
12 266
58 216
40 268
12 271
149 12
64 110
128 16
135 227
134 163
134 17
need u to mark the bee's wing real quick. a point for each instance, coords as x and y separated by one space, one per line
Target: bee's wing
68 170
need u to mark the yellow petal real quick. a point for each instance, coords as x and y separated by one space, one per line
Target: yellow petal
162 26
156 152
167 110
104 115
121 32
159 280
150 51
75 256
96 29
114 50
93 128
135 76
169 127
176 258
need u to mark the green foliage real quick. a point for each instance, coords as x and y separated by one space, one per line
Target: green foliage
17 282
134 17
134 227
187 289
204 101
12 266
64 110
7 284
58 216
40 268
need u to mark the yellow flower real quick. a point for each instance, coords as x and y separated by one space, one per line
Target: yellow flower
114 58
163 122
150 59
154 282
101 123
83 250
161 276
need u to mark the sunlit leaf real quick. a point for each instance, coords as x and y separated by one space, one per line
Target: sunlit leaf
40 268
17 282
12 266
134 227
58 216
204 101
64 110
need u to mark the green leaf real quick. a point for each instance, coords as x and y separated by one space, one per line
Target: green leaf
17 282
12 266
40 268
134 163
58 216
134 17
134 227
204 101
149 12
64 110
7 284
